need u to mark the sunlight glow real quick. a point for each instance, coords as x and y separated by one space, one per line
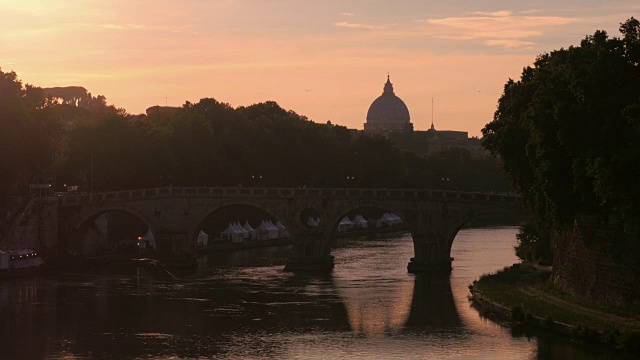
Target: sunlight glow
241 52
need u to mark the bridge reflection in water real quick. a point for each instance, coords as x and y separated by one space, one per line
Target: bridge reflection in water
131 315
368 307
426 302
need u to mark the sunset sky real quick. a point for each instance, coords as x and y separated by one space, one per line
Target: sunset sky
136 53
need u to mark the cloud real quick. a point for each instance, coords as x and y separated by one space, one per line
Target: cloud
499 28
359 26
508 43
499 23
139 27
456 37
507 34
123 26
494 13
349 14
530 11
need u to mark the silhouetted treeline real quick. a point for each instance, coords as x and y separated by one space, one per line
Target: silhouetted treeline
210 143
568 131
30 130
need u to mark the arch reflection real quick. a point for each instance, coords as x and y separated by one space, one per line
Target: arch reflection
374 308
433 304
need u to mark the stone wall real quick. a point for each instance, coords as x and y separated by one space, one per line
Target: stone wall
37 227
598 260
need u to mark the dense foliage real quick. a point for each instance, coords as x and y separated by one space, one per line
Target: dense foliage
568 132
29 132
211 143
102 148
534 243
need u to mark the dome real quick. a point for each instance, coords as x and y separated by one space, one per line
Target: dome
388 112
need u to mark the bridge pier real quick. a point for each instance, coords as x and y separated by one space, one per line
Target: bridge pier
416 266
310 253
431 255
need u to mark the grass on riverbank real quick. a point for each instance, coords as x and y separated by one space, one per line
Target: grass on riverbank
525 295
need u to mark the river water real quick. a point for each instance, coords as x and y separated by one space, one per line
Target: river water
369 307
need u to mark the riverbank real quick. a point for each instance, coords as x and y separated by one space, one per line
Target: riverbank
524 296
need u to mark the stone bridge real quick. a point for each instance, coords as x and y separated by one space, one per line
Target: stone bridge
175 215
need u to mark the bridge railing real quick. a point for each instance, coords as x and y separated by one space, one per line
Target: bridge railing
239 192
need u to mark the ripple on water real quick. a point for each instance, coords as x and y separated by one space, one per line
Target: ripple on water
368 307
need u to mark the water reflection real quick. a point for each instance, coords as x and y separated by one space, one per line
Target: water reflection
432 304
369 307
375 309
426 302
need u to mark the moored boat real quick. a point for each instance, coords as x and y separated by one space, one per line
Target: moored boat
19 262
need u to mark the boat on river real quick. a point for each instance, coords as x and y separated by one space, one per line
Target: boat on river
19 262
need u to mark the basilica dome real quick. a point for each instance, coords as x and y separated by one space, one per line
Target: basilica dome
388 113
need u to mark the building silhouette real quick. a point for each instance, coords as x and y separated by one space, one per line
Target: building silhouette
388 113
389 116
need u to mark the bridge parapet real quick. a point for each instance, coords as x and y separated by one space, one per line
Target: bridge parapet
240 192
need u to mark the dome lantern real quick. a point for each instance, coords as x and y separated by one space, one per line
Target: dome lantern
388 112
388 87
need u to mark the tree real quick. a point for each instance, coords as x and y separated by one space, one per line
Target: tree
29 133
568 132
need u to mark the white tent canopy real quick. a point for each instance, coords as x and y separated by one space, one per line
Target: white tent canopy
345 224
252 232
148 237
248 227
282 230
389 219
262 232
360 222
245 233
233 234
274 232
203 239
267 230
311 222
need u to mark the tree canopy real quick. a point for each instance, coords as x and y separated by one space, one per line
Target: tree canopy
209 143
568 131
29 131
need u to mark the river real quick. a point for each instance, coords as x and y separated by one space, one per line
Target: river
369 307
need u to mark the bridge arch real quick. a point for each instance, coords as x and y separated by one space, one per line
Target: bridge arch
433 237
454 228
209 212
432 229
334 218
85 220
334 221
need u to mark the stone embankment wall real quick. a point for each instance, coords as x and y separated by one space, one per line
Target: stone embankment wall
36 228
597 259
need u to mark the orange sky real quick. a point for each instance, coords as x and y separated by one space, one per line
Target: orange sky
136 53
